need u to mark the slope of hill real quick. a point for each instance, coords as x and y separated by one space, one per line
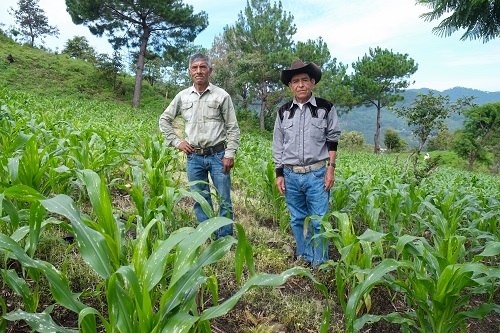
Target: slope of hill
49 74
363 119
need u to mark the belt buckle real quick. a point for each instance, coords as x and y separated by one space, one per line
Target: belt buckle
200 151
299 169
306 168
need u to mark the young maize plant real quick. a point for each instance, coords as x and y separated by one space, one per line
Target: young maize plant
156 289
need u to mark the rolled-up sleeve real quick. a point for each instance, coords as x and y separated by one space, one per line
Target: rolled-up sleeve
277 147
166 119
232 128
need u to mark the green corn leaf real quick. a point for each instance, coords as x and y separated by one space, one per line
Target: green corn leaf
141 249
180 323
23 193
58 285
191 279
91 313
239 257
13 167
457 319
452 281
372 236
139 295
37 213
21 288
181 294
93 246
12 211
491 249
480 311
187 249
374 277
40 322
121 309
213 286
205 206
3 322
18 143
393 317
101 204
154 267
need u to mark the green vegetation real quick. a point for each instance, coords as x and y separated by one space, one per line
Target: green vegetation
32 22
479 19
35 70
379 79
413 251
153 26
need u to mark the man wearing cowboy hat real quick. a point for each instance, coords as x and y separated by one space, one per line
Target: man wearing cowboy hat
305 139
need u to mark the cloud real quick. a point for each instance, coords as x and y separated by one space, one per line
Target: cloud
348 27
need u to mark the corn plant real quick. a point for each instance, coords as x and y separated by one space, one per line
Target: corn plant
159 163
393 196
154 291
358 254
21 246
438 292
95 150
272 197
163 205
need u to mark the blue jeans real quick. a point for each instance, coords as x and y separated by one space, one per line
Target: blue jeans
198 169
305 196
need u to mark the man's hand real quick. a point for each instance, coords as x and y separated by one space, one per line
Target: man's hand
280 184
329 178
185 147
227 163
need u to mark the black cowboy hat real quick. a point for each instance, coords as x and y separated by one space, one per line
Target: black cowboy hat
299 67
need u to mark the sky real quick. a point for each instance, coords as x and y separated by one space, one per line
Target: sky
349 28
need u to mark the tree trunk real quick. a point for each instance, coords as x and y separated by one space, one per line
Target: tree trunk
262 115
136 101
263 107
472 159
376 138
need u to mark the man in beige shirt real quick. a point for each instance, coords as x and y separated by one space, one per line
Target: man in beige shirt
212 137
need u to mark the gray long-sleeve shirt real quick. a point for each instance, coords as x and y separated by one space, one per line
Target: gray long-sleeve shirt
304 137
210 119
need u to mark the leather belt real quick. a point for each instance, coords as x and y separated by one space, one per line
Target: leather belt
306 168
210 150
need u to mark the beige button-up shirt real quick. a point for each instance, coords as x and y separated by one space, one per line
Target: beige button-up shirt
210 119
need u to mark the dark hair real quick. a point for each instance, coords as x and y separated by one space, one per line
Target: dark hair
199 57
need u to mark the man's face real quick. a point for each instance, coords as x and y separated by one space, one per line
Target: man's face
200 72
302 87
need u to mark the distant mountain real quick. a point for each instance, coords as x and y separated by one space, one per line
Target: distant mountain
364 119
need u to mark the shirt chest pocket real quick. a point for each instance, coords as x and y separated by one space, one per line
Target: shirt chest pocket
187 110
288 131
318 129
212 111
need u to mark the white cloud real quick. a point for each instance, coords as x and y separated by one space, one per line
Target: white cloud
349 28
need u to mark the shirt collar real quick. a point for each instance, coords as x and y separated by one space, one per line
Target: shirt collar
193 90
312 101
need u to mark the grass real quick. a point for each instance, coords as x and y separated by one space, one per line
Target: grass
57 75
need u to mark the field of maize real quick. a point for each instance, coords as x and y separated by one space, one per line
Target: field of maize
431 243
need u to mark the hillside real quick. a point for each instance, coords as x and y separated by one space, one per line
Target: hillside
363 119
35 70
